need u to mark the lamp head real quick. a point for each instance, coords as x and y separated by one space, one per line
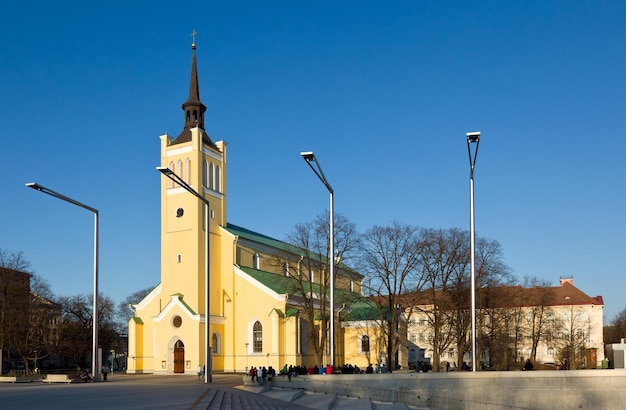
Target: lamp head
473 136
165 170
34 185
308 155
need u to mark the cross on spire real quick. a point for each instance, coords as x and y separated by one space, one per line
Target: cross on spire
193 38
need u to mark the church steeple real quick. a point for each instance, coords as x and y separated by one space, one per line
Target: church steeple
193 107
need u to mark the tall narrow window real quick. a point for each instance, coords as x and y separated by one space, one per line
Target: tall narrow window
218 179
187 170
179 169
365 344
257 337
211 177
170 183
205 171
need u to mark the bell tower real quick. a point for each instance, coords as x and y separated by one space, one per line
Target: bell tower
201 163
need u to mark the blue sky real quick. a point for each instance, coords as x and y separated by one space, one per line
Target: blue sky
383 92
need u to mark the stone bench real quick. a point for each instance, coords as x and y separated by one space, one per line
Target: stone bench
56 378
8 379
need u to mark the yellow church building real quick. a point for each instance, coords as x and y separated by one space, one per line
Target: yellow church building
268 305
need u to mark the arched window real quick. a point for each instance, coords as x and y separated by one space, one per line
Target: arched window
179 169
365 344
205 171
211 177
170 183
187 170
195 116
215 343
218 179
257 337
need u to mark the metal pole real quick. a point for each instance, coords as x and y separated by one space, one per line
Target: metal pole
309 157
332 279
208 358
208 355
473 137
94 351
94 347
472 274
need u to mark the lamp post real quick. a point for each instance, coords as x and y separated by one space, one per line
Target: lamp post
472 138
94 350
247 355
208 356
310 159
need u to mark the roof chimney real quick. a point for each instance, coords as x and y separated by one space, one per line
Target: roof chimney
566 279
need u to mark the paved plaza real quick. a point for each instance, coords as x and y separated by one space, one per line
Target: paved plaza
138 392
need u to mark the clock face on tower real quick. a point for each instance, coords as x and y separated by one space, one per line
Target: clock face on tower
179 212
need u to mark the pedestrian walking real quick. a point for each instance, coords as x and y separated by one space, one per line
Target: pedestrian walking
105 371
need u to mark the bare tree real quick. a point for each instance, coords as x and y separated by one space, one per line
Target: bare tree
389 257
124 310
443 261
616 331
575 329
540 313
14 302
491 275
307 263
76 326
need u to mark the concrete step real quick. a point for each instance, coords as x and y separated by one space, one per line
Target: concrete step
232 400
318 401
351 403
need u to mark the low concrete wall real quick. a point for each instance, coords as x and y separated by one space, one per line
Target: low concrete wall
549 390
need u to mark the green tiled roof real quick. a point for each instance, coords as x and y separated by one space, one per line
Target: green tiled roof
137 320
362 312
289 285
262 239
278 283
276 244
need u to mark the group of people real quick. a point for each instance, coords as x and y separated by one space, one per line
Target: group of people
265 375
262 375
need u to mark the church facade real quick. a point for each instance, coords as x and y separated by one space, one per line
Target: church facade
267 300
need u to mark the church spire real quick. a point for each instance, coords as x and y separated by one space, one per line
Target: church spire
193 107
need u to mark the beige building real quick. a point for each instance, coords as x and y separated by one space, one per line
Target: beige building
268 300
545 324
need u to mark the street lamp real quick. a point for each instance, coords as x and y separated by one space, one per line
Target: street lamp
208 356
310 159
94 350
472 137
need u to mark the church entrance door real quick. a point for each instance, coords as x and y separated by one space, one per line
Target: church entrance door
179 357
